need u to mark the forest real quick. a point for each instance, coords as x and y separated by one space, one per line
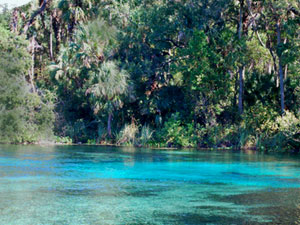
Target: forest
158 73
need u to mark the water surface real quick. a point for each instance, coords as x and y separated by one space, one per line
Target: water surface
104 185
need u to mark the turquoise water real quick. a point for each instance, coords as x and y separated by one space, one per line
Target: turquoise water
104 185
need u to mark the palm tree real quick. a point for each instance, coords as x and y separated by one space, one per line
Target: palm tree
108 84
99 39
85 65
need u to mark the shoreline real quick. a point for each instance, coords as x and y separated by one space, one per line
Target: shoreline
233 149
132 146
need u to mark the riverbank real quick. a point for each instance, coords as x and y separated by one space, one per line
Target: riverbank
235 149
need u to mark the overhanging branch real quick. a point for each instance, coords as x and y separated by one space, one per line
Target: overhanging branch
34 15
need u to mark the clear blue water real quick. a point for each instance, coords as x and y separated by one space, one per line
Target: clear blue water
104 185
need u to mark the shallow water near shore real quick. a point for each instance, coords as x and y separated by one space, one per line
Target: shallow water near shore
107 185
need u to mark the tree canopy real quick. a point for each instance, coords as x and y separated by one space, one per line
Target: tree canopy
183 73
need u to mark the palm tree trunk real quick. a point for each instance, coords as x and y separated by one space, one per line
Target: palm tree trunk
109 124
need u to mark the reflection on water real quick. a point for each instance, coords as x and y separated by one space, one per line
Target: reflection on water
104 185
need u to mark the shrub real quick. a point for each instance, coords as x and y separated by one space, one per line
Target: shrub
92 141
63 140
176 133
145 135
267 130
127 134
286 133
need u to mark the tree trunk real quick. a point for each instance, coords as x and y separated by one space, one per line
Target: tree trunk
14 21
269 68
241 87
56 25
235 91
109 124
281 87
241 68
285 72
31 74
280 71
51 39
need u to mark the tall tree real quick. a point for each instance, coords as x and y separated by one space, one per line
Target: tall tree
277 21
242 67
25 116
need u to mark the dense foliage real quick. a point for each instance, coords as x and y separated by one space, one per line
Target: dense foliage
161 73
25 116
